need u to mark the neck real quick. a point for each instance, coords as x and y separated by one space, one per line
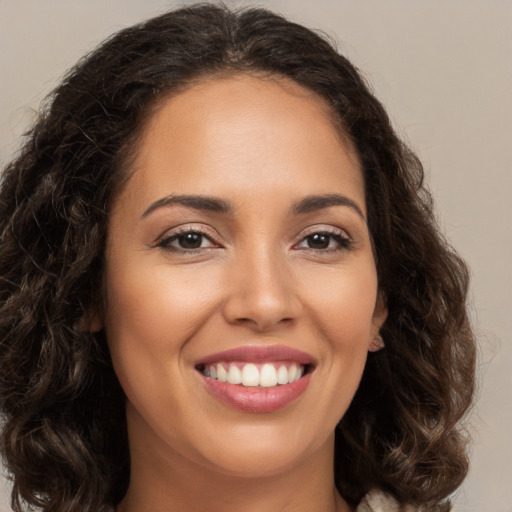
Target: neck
163 480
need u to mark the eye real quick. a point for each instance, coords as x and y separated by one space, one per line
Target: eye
325 241
186 240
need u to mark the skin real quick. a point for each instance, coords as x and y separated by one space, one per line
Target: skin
262 145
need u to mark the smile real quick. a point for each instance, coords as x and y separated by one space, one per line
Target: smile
265 375
257 379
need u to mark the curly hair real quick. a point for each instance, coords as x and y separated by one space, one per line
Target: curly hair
64 438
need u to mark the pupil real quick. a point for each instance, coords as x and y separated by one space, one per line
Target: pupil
190 240
318 241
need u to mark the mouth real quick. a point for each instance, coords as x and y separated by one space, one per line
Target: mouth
265 375
257 379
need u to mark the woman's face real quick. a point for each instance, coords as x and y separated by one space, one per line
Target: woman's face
239 250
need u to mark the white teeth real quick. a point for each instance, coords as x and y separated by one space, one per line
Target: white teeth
292 373
222 375
282 375
250 375
267 375
234 375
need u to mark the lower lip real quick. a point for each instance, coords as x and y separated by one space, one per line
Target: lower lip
257 399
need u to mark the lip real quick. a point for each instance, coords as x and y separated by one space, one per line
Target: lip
259 354
257 399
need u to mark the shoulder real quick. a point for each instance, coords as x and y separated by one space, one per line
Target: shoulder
378 501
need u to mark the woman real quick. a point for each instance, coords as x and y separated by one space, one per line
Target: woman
220 272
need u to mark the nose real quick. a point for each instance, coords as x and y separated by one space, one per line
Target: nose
262 293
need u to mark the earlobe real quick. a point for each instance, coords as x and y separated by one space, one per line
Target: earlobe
380 315
376 343
91 322
96 323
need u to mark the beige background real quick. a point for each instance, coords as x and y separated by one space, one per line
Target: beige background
443 68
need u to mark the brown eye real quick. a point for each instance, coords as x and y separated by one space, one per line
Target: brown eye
325 241
319 241
190 240
187 241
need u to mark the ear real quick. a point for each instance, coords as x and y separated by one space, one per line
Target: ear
380 314
92 321
96 322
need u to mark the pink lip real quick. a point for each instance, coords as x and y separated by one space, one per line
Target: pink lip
259 354
257 399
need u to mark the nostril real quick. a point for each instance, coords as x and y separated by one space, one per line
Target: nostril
261 304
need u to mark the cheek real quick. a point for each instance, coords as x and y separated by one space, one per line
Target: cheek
342 301
158 304
152 313
341 305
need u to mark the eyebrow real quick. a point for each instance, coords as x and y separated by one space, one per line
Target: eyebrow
319 202
211 204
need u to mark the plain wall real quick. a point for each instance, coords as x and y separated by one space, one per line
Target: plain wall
443 69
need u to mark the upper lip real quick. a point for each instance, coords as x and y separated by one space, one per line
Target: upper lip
259 354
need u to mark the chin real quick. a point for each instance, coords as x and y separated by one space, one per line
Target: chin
259 465
264 453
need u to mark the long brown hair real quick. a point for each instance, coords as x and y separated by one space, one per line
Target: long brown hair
64 435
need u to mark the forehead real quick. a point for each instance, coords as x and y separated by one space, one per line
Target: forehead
244 129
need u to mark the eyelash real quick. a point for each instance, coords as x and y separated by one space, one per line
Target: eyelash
343 241
165 243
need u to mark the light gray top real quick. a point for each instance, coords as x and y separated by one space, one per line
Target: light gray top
378 501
